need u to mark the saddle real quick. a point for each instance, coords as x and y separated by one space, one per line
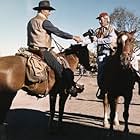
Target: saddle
36 68
37 71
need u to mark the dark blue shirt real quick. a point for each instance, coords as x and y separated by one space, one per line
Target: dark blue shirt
50 28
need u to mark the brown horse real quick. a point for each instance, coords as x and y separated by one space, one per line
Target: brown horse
119 78
13 78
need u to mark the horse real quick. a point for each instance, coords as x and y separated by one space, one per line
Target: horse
119 80
13 78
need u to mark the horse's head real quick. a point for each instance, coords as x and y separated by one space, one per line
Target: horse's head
81 52
125 44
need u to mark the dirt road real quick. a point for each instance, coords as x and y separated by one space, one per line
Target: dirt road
28 117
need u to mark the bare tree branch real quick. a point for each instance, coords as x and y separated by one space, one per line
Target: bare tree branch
123 19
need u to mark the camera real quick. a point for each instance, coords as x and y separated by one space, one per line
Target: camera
89 33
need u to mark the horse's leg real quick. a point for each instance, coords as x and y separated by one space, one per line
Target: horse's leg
52 98
127 101
5 103
112 111
62 101
116 119
106 109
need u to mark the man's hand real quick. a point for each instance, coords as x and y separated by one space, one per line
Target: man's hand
94 38
77 39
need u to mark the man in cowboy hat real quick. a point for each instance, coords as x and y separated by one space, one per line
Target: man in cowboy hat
106 43
39 30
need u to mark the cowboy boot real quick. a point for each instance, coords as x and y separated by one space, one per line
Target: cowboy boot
71 87
79 88
101 94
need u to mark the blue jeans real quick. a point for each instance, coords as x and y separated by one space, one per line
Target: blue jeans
53 63
100 75
66 75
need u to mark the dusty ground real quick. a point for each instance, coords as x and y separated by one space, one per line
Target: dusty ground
28 117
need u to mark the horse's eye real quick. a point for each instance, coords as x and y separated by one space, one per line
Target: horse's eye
131 40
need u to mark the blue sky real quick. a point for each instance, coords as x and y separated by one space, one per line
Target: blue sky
73 16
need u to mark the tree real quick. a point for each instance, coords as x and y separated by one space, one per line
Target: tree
123 19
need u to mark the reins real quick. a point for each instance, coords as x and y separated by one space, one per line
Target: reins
80 76
60 47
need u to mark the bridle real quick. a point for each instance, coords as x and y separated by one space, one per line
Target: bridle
126 42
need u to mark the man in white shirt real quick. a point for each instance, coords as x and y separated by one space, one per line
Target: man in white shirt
106 43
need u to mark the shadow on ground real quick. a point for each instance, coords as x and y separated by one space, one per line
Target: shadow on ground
26 124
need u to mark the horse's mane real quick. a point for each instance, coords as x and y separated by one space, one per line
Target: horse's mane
79 51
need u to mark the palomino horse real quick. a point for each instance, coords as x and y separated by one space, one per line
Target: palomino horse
12 78
119 78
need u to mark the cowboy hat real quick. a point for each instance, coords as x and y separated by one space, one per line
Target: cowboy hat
44 5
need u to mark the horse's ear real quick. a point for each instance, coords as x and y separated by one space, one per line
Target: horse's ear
133 32
117 32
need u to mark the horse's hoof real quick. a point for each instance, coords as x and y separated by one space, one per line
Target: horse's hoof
106 124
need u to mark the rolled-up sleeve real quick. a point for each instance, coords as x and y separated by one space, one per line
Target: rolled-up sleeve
50 28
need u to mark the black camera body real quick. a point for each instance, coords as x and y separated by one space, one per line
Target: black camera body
89 33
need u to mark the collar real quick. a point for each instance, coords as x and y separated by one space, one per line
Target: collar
107 26
41 15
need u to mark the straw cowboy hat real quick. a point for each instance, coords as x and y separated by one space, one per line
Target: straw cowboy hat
44 5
